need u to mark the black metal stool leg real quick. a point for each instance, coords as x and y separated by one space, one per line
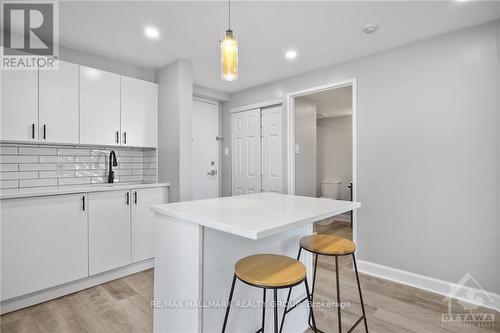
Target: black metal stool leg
360 294
313 286
229 304
310 304
275 310
263 311
288 298
338 292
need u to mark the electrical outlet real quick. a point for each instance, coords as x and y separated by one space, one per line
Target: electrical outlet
59 169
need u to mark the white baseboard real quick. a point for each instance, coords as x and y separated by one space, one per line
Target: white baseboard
427 283
71 287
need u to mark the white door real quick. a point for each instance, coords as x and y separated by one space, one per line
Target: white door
43 243
205 150
246 152
272 149
143 221
99 107
58 104
19 105
139 112
109 230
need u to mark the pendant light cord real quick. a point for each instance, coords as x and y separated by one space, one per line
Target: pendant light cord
229 9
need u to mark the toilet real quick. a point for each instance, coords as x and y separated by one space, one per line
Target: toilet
329 189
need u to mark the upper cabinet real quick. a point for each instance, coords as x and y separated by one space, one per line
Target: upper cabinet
19 105
99 107
78 105
139 112
58 104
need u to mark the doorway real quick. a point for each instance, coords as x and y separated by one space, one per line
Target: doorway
205 133
322 147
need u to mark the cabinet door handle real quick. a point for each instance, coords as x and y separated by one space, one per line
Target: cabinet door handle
135 197
127 198
125 138
44 132
33 131
83 203
117 136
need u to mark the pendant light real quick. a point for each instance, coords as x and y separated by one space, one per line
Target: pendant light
229 53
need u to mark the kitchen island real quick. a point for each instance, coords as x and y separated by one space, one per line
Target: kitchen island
198 242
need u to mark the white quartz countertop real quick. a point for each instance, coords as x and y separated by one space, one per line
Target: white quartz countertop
69 189
258 215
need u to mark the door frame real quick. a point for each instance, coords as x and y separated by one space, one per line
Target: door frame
219 157
290 111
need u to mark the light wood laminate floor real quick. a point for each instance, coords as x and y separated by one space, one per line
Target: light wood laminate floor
123 305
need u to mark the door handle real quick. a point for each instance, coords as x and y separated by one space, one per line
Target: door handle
127 198
135 197
125 138
83 203
44 132
212 173
33 131
117 136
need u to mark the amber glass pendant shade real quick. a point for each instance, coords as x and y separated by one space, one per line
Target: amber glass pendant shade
229 56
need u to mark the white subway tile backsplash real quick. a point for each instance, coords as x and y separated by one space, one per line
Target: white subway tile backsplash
37 151
54 174
8 167
8 150
18 159
18 175
73 152
32 165
73 181
9 183
37 182
56 159
36 167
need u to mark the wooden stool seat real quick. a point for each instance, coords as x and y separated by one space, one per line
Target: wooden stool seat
328 245
270 270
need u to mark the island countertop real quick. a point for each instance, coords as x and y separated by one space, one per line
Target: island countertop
258 215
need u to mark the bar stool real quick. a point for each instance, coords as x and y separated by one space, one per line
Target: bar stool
270 271
329 245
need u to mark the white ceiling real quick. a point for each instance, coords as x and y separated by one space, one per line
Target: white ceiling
323 33
331 103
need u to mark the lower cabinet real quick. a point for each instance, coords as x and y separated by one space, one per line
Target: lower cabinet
143 221
109 230
43 242
52 240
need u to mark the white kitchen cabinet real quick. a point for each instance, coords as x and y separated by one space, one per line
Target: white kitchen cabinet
19 105
143 220
109 230
44 243
139 112
58 104
99 107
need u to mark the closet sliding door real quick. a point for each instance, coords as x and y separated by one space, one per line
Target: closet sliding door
246 152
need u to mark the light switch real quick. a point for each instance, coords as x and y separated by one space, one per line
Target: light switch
297 149
226 151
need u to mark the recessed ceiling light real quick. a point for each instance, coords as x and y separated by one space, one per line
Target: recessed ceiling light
291 54
370 28
151 32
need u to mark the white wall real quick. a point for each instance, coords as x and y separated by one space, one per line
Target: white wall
334 140
428 149
305 139
175 108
